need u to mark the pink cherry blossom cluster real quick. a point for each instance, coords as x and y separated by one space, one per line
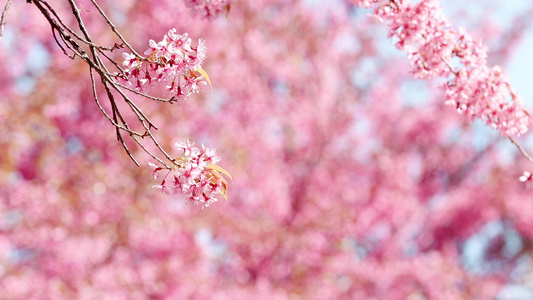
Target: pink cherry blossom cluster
436 48
173 60
482 93
209 9
194 175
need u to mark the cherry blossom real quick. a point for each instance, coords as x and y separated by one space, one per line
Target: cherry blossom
173 60
195 175
343 188
436 48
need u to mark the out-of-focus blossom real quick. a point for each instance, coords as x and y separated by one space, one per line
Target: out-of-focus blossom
209 9
526 177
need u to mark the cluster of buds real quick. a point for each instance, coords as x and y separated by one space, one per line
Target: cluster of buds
209 9
173 60
194 175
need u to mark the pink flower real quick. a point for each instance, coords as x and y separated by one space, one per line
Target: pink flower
201 51
179 43
192 83
130 60
174 60
432 44
195 175
155 169
188 148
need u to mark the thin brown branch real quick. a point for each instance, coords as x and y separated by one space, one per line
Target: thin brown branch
522 150
154 140
71 44
114 28
102 110
146 95
73 33
81 25
117 129
150 153
61 46
92 54
3 19
450 66
114 63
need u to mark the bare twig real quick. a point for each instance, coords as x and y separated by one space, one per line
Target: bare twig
131 132
3 18
522 150
72 32
146 95
456 73
96 57
114 28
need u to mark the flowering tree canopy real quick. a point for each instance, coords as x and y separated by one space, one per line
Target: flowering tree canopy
349 128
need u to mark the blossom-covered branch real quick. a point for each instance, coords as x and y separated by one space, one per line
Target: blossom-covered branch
174 61
169 61
436 48
75 45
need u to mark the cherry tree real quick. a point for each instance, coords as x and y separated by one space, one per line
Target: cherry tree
358 172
